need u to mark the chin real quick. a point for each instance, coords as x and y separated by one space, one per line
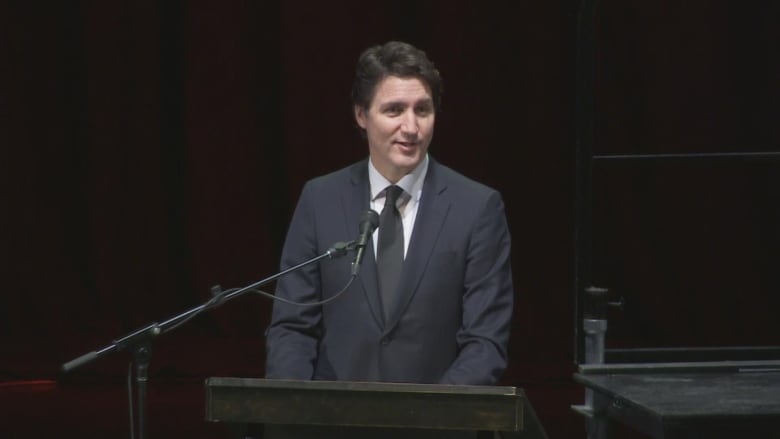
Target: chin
410 159
407 165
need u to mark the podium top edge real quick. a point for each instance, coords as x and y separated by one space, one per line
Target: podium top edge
367 386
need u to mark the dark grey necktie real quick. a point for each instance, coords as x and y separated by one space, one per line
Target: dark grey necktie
390 250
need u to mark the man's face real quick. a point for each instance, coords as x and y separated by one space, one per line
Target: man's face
398 124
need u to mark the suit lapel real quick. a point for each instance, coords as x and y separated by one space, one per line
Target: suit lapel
356 201
431 214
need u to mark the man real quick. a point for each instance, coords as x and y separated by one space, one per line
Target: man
445 318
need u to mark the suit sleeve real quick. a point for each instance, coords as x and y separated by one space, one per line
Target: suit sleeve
294 332
487 300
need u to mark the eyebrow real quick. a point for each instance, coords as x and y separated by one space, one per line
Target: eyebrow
393 103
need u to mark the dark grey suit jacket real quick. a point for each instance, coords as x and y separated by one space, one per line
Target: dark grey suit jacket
452 320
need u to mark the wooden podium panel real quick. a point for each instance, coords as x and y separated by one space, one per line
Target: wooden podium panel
368 404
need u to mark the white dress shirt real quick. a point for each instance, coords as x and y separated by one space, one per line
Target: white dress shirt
408 202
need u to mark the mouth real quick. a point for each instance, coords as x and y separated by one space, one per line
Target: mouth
406 144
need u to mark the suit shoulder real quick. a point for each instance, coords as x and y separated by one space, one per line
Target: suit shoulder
463 184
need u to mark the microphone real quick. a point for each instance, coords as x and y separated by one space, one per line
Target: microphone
369 221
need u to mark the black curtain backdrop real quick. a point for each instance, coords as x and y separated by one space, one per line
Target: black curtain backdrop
151 150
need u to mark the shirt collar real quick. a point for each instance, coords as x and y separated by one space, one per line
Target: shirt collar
411 183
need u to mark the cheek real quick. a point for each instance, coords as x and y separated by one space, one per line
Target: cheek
429 129
381 129
377 138
375 133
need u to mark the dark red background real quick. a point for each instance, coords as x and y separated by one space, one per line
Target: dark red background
152 150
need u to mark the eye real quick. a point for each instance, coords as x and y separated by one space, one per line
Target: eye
423 110
393 110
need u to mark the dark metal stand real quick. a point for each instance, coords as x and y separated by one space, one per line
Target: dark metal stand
140 340
694 393
141 359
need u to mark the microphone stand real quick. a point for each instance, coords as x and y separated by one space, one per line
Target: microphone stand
140 340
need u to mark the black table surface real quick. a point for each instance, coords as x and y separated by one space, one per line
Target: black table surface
680 400
669 395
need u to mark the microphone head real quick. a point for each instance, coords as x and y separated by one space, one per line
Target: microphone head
369 221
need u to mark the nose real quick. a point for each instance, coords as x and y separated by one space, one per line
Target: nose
409 124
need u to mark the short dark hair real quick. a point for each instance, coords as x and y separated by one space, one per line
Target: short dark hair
394 58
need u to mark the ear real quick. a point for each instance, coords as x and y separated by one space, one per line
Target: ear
360 116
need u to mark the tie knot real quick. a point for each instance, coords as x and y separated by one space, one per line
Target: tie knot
391 195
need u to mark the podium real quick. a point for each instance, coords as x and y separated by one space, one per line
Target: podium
503 410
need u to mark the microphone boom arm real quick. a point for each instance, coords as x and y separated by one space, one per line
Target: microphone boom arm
153 330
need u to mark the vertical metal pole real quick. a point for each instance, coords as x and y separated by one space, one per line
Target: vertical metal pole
594 324
589 329
584 128
594 327
141 357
